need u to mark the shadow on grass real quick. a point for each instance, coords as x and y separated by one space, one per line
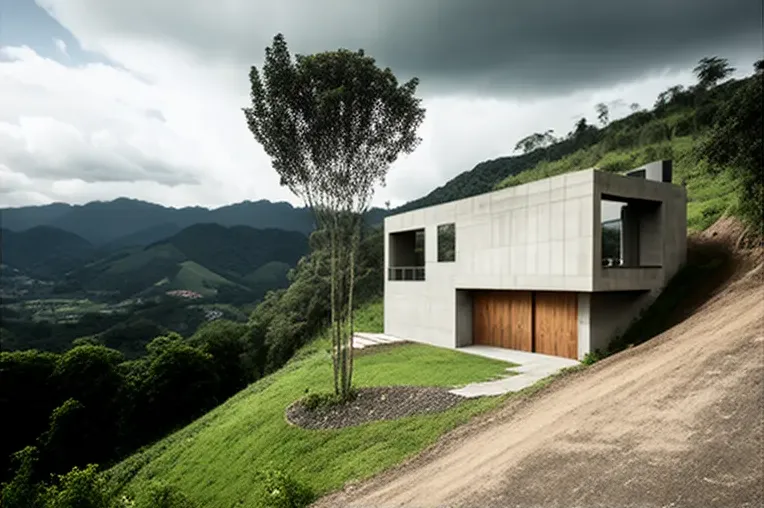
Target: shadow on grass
709 266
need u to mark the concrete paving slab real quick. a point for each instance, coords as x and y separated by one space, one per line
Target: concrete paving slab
532 367
365 339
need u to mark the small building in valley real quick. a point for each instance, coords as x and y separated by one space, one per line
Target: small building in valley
557 266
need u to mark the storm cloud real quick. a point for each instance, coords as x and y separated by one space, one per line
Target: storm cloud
484 47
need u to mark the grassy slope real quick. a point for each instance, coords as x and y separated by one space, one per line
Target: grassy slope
215 460
195 277
708 197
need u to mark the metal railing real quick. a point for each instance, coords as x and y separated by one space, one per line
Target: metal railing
405 273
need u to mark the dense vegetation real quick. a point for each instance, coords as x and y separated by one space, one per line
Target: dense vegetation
713 135
44 251
90 404
712 132
192 459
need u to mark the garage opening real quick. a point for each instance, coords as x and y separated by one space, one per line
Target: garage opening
535 321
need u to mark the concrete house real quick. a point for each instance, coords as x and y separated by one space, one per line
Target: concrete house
558 266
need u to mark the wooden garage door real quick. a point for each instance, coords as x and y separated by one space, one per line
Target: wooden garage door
556 324
503 319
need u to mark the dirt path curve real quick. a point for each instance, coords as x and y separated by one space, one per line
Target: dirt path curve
675 422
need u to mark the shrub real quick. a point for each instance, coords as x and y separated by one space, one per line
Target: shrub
280 490
321 400
21 491
593 357
654 132
79 488
160 495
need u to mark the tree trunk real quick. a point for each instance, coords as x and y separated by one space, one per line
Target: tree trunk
354 240
333 305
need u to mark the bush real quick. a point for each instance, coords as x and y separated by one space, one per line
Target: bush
654 132
279 490
593 357
160 495
79 488
22 491
321 400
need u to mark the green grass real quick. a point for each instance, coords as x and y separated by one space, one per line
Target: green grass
215 460
709 197
370 318
195 277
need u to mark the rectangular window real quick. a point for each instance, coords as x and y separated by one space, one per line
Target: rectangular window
446 242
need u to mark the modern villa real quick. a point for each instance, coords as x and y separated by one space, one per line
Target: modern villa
559 266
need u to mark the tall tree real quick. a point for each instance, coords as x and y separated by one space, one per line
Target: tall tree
536 140
712 69
603 113
332 124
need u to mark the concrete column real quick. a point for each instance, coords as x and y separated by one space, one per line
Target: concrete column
463 318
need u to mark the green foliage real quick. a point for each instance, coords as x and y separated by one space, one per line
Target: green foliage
370 317
157 494
314 401
79 488
332 124
44 251
209 259
279 490
720 167
22 491
593 357
711 70
215 460
735 146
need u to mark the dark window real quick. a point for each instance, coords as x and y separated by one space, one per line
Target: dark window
639 173
446 242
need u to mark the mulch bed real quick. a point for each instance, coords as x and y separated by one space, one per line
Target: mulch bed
374 404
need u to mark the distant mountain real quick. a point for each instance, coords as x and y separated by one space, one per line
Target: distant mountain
44 251
143 237
125 222
209 259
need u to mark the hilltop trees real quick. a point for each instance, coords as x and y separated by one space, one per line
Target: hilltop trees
332 124
536 140
712 69
603 113
735 144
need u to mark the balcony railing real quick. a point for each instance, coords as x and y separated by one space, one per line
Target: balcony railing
405 273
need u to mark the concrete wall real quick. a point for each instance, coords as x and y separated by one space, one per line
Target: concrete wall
611 314
662 229
544 235
533 236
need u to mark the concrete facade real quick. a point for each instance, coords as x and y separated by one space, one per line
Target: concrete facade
544 236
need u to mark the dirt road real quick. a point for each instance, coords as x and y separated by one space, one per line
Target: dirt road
678 421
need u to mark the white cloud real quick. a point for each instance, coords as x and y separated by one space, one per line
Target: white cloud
166 126
61 47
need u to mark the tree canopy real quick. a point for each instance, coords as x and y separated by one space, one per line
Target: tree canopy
332 124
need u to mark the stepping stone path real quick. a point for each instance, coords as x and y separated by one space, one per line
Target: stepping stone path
363 340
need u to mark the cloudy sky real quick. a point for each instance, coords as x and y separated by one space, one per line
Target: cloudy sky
142 98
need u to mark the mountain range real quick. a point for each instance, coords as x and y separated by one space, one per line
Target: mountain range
206 258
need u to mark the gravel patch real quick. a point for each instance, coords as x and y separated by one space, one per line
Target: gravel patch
374 404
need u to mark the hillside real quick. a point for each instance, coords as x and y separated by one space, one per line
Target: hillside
209 259
216 459
128 222
43 251
675 421
669 130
